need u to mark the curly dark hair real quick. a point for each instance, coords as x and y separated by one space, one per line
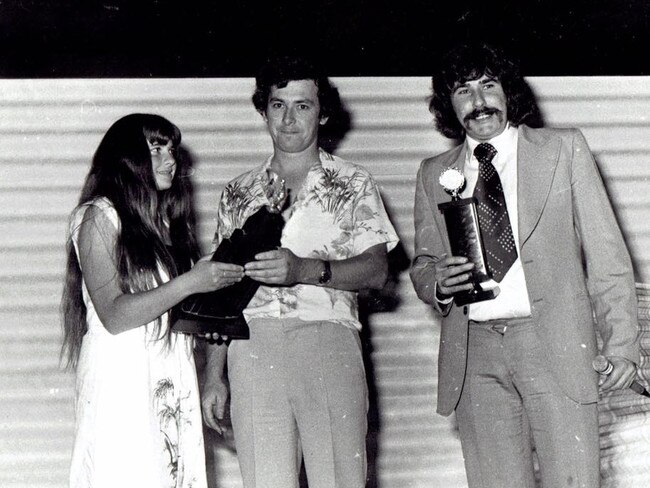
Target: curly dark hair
279 71
469 62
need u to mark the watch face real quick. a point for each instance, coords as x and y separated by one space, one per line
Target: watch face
326 274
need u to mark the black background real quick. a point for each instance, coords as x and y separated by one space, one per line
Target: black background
191 38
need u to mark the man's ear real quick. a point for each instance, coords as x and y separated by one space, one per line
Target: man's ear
263 114
323 120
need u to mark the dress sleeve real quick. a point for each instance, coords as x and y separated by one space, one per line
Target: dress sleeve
103 217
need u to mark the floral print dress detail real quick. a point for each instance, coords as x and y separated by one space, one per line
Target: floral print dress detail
338 214
138 418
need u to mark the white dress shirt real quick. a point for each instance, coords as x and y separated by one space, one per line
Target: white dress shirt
512 300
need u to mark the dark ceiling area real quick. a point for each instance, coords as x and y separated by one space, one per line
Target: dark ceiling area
191 38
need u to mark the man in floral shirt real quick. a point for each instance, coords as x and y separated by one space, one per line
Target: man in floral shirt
298 385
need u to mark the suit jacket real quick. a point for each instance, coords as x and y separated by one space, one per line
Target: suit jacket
578 271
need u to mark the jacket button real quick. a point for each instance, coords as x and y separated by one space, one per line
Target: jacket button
465 310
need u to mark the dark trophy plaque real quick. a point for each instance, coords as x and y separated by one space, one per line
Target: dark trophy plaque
220 311
464 234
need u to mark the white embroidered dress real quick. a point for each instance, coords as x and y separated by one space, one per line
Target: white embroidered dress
138 418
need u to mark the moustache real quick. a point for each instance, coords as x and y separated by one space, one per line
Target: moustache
481 111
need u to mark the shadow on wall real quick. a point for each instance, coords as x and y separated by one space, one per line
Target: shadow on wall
535 118
339 123
374 301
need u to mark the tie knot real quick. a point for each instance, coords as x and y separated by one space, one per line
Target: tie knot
485 152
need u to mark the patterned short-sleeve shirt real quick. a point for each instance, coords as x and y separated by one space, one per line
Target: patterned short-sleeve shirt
338 214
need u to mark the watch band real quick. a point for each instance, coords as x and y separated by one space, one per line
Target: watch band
326 274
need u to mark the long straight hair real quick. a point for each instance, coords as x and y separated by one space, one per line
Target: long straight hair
121 171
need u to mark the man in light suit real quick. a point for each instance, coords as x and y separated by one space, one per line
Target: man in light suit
517 369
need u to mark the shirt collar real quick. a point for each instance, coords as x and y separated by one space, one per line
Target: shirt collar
322 157
503 143
313 175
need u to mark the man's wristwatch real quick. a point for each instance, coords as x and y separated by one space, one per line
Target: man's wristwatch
326 274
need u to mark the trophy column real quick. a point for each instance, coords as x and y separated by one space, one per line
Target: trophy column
464 234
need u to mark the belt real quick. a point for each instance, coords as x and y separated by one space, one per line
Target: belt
499 325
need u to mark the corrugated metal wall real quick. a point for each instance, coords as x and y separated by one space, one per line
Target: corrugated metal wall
48 132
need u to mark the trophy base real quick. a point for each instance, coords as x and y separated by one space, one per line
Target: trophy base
474 296
234 327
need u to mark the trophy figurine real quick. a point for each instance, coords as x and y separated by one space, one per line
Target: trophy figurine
464 234
220 311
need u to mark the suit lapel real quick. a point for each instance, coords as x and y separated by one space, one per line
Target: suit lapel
454 159
537 157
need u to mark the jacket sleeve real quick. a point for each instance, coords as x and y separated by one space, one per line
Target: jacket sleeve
430 245
610 277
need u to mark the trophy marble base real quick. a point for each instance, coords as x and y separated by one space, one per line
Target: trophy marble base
476 295
234 327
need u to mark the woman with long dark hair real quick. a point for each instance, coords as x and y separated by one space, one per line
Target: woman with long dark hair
130 257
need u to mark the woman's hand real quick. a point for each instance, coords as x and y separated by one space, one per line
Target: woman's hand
207 275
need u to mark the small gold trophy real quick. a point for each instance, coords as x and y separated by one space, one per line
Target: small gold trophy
464 234
220 311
